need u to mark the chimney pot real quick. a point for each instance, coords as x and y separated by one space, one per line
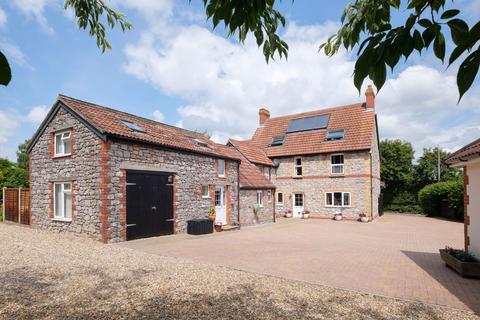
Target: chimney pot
370 97
263 115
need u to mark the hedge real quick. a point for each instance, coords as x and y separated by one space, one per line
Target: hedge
431 196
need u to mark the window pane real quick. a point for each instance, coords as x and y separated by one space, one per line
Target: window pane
221 167
66 135
329 199
280 197
68 205
346 199
298 161
337 159
259 197
204 191
66 146
298 171
298 200
58 144
67 186
337 168
337 199
58 200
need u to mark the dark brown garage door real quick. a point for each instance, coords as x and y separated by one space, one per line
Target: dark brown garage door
149 204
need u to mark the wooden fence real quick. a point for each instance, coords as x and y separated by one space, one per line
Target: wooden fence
16 205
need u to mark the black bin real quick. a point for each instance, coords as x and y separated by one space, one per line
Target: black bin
199 226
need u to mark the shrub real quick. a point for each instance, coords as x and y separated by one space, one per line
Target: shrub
404 208
431 196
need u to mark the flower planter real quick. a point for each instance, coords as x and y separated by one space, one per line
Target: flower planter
337 217
364 219
306 215
465 269
218 228
288 215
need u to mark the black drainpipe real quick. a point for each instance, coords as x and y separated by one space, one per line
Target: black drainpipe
371 184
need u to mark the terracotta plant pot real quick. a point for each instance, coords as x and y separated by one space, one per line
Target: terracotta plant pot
211 218
218 228
364 219
306 215
338 217
288 215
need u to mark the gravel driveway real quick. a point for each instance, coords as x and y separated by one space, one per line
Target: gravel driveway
45 275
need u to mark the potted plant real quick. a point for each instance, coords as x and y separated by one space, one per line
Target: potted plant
338 216
306 214
288 213
211 214
461 261
363 217
256 209
218 227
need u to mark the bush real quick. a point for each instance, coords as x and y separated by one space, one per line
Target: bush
431 196
404 208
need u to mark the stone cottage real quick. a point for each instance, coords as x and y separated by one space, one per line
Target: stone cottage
114 176
325 161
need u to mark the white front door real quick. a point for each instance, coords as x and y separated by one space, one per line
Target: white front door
220 206
297 205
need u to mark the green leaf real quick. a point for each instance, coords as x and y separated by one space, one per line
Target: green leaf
380 75
417 41
458 24
428 35
5 71
467 72
425 23
449 14
457 52
439 46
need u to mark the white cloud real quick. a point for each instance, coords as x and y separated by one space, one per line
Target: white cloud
35 9
14 53
37 114
3 18
224 84
158 116
10 123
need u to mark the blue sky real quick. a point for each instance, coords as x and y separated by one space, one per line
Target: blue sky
173 67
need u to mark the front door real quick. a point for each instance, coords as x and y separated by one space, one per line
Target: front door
297 205
220 205
149 204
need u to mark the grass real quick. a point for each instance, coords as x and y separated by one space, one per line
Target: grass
1 213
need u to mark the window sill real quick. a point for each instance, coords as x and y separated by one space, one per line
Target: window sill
338 207
297 177
62 156
279 204
337 175
61 220
222 176
203 197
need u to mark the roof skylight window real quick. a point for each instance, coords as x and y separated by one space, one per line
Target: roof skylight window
133 126
337 134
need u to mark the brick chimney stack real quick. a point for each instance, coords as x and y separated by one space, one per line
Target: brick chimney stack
263 115
370 97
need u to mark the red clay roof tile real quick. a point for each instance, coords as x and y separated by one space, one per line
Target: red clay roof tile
471 150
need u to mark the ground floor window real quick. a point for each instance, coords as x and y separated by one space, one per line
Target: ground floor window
205 191
63 201
280 198
269 196
337 199
260 198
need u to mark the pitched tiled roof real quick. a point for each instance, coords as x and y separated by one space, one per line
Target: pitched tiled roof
250 151
251 177
471 150
358 123
107 121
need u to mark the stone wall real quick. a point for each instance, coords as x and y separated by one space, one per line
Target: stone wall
81 168
317 179
248 199
191 172
376 189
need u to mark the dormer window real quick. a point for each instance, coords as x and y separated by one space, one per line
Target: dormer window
63 144
133 126
337 134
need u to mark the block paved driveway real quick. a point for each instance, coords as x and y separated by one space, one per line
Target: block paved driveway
395 256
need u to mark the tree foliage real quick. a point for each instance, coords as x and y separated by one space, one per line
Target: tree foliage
89 14
431 197
258 17
12 176
426 169
22 155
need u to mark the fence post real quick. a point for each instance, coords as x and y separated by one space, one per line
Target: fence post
3 203
19 205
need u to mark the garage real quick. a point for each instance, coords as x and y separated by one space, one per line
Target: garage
149 204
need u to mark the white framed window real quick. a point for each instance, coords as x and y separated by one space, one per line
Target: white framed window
63 145
337 163
221 168
62 201
279 198
337 199
205 191
298 170
260 198
269 196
